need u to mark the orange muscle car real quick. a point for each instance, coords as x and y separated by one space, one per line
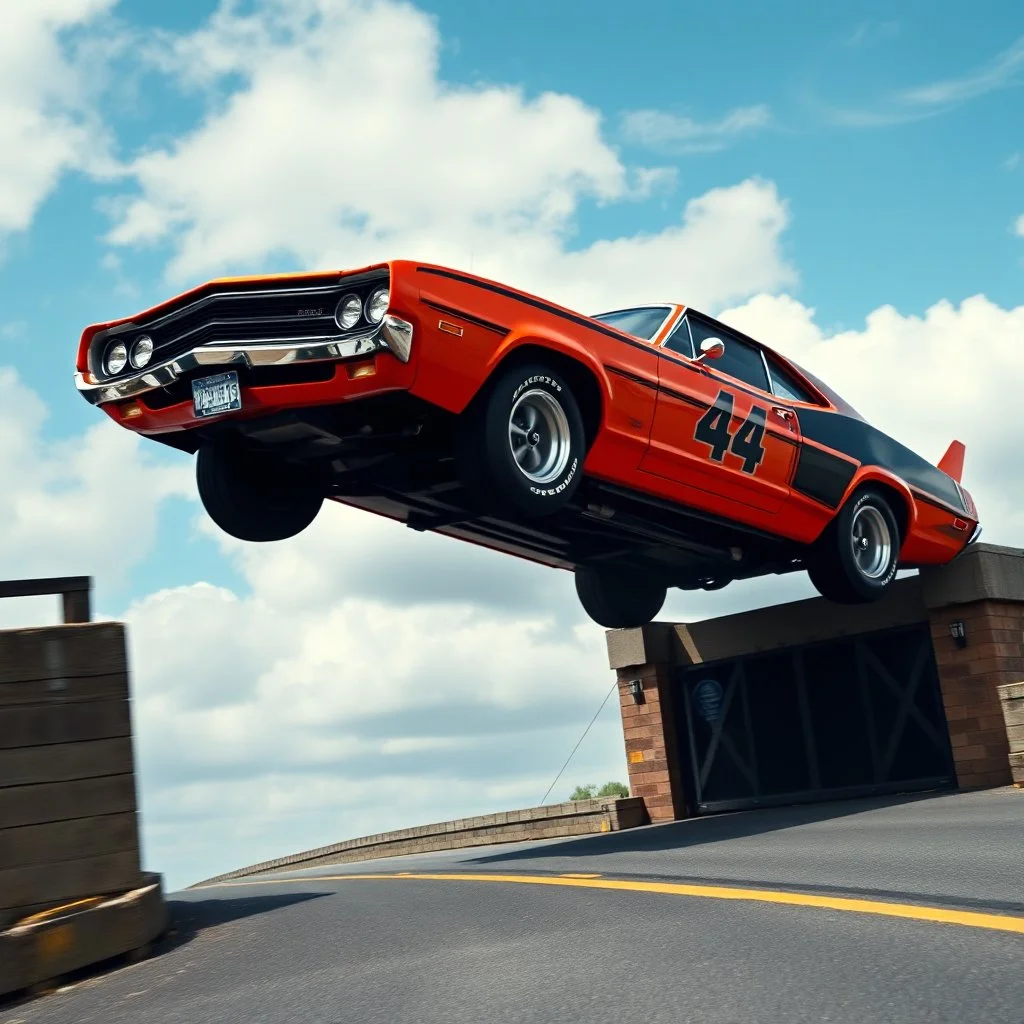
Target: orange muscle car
643 449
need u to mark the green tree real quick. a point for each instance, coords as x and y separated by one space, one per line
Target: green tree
590 791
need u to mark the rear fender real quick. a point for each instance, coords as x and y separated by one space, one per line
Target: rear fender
906 510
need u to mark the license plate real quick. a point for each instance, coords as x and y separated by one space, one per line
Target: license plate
212 396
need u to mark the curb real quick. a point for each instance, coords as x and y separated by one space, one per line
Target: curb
42 948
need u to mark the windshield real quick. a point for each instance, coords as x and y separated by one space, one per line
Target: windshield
641 323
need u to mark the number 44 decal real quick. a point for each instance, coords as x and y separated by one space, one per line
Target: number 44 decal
713 430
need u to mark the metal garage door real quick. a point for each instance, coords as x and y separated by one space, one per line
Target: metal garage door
854 716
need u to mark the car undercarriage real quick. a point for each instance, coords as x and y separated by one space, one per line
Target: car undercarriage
354 453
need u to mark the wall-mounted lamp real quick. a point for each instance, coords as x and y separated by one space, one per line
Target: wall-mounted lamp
636 690
958 633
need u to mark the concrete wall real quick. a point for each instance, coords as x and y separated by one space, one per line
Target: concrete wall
581 817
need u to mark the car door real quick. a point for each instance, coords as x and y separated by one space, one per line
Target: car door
718 431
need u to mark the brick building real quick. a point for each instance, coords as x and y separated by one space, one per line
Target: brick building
810 701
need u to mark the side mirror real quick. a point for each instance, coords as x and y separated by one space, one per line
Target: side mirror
711 348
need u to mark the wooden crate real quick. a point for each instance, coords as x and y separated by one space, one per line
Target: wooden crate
68 821
1011 697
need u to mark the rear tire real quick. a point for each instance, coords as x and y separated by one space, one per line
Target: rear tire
856 558
619 600
521 443
254 497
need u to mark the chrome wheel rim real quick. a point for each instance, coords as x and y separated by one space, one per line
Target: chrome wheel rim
539 436
872 542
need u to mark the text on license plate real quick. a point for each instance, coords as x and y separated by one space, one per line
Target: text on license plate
212 396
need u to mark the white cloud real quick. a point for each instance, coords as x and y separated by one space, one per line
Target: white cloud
916 103
952 373
1018 227
47 123
323 149
367 677
660 129
61 497
1002 71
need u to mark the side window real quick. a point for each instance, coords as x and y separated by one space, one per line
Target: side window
641 323
785 386
679 340
740 360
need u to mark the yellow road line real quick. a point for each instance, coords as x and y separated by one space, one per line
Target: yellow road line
909 911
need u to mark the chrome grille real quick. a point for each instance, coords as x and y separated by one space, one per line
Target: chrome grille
240 312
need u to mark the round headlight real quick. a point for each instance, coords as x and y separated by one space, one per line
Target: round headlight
116 358
348 312
377 305
142 351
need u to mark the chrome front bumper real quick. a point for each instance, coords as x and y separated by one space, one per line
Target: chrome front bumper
392 335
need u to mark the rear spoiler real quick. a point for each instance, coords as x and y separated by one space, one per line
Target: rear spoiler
952 463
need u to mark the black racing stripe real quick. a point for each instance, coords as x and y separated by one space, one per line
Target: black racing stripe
635 378
547 307
822 475
869 446
681 397
929 499
487 325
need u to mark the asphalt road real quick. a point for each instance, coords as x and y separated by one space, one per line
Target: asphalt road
318 946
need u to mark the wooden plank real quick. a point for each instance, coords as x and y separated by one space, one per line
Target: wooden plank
25 766
63 801
69 880
35 725
43 691
41 954
44 586
62 652
57 841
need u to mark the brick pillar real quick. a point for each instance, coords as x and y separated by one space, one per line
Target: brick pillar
969 677
652 753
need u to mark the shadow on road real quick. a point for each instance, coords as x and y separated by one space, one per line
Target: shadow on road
714 828
188 917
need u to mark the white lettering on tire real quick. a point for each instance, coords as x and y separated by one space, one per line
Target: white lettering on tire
546 491
536 379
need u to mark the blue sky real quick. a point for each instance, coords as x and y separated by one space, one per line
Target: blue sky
905 213
856 157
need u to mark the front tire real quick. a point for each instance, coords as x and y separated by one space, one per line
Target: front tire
521 443
856 558
619 600
254 497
